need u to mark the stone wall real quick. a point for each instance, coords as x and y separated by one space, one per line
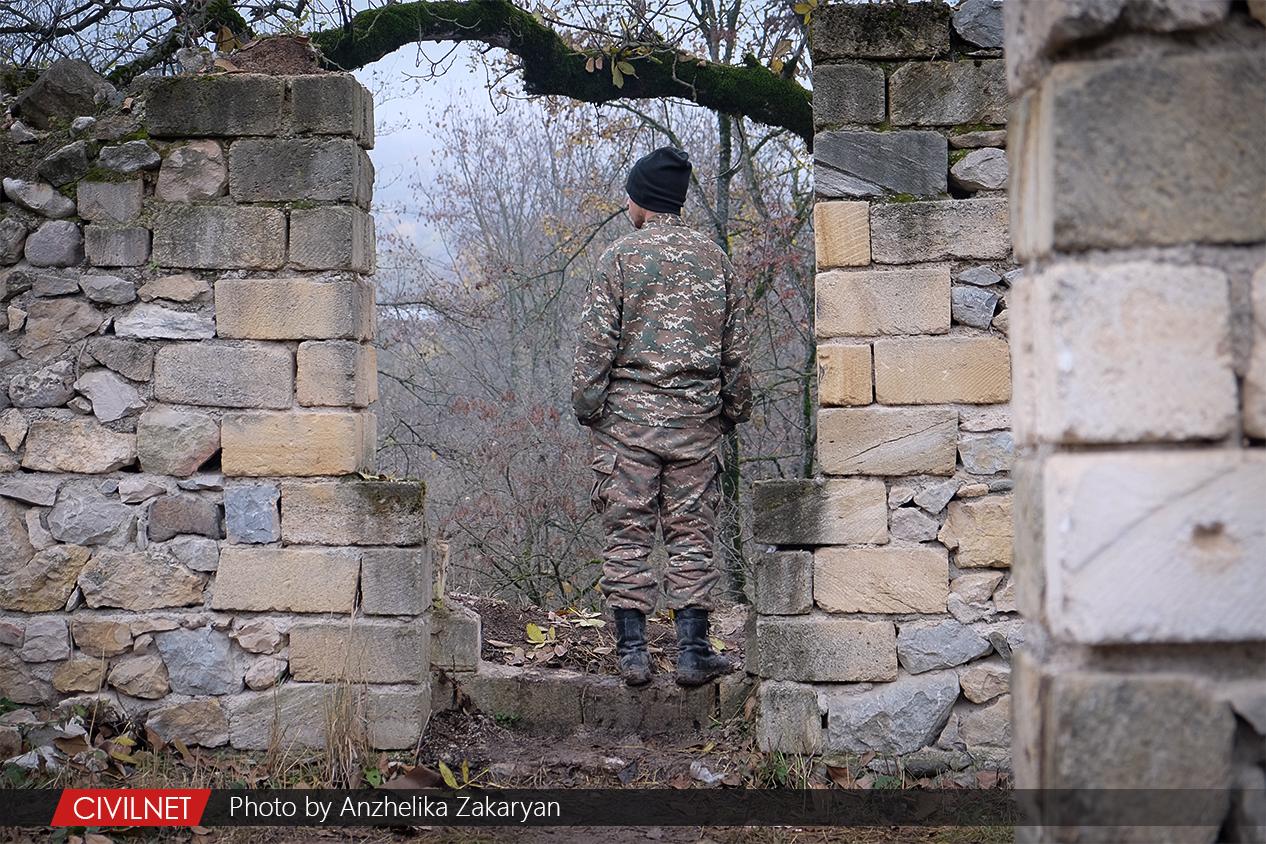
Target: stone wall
886 616
1138 191
187 381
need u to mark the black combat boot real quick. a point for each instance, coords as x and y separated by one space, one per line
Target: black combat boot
630 646
696 662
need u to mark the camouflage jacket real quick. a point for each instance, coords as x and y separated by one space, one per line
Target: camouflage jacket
663 338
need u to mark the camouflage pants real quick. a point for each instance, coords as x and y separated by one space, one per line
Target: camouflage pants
646 476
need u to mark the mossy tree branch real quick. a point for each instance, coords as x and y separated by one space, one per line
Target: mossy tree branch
551 66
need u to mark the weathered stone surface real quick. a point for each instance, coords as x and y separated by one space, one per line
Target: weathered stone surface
948 93
294 309
827 649
332 104
783 583
259 636
1154 547
193 172
175 442
67 89
359 653
76 445
395 581
216 236
101 637
862 164
149 321
981 169
140 676
980 22
981 276
173 515
200 662
981 530
987 726
84 515
844 374
183 287
286 579
13 427
935 370
929 645
112 397
332 237
865 303
19 684
291 169
194 722
264 672
1102 375
225 374
975 586
250 513
80 674
52 325
50 284
194 552
1254 392
12 242
895 579
790 719
983 681
819 512
841 234
56 243
352 513
263 444
108 289
49 386
66 164
117 247
1102 157
973 306
129 157
139 580
903 232
913 525
887 441
867 31
215 106
39 198
291 715
46 640
45 582
111 202
455 638
898 717
336 373
848 93
986 454
128 358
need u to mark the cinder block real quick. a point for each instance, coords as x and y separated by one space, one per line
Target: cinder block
866 31
841 234
455 638
867 303
862 163
1099 160
893 579
294 309
304 444
225 374
817 512
938 370
790 719
948 93
783 583
335 237
215 106
260 579
219 237
844 375
360 651
906 232
353 512
849 93
108 246
332 104
395 581
293 169
825 649
337 373
887 440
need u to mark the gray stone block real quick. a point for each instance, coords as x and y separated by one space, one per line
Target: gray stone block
332 104
355 512
980 22
66 164
790 719
906 232
819 512
288 716
848 93
253 375
215 106
116 247
396 718
783 583
57 243
154 322
972 306
455 638
928 645
859 164
251 514
201 662
878 31
309 169
898 717
184 514
219 237
396 581
332 238
948 93
824 649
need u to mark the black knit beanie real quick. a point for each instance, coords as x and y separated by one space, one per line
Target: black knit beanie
658 181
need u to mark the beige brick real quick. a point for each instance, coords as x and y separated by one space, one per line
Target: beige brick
981 530
866 303
293 579
825 649
844 374
337 373
303 444
935 370
841 234
294 309
887 440
817 511
353 512
893 579
361 652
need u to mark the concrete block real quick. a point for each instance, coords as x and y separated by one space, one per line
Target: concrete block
887 440
334 237
861 163
875 31
819 512
294 309
337 373
294 169
259 579
848 93
948 93
790 718
360 652
455 638
257 375
825 649
108 246
841 234
844 374
353 512
219 237
783 583
867 303
395 581
215 106
332 104
304 444
906 232
893 579
938 370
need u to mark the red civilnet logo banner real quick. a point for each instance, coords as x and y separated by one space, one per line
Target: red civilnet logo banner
131 806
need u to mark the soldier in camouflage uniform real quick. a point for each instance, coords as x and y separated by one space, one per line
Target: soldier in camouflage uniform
661 375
